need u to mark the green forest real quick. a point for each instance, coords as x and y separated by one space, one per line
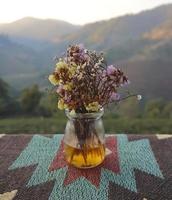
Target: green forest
35 111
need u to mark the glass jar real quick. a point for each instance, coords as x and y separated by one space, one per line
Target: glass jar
84 141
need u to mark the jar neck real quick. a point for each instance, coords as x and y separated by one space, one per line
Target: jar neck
92 115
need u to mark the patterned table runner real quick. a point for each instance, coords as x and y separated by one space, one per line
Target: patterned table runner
137 167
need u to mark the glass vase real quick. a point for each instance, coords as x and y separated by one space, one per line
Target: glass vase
84 141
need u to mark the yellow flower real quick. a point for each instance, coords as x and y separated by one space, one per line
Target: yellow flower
61 104
68 86
53 80
61 65
72 71
94 106
73 64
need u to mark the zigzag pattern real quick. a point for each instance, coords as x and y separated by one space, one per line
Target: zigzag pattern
132 155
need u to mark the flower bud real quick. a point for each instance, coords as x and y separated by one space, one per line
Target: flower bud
139 97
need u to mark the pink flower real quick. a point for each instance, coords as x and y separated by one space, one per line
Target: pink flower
111 69
104 73
60 89
67 99
115 97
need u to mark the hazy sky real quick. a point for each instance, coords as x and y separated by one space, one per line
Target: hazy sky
74 11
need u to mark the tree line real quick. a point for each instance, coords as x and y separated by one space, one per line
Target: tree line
33 102
29 102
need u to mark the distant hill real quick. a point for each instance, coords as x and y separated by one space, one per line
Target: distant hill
117 31
140 43
164 31
15 58
40 29
20 65
150 70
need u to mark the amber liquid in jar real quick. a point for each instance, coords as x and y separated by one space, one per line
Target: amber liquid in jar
87 157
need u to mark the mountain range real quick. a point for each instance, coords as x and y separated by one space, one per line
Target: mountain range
140 43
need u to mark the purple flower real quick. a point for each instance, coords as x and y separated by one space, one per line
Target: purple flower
81 46
104 73
67 98
115 97
81 50
111 69
81 54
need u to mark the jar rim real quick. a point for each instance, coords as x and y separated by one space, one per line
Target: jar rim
91 115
